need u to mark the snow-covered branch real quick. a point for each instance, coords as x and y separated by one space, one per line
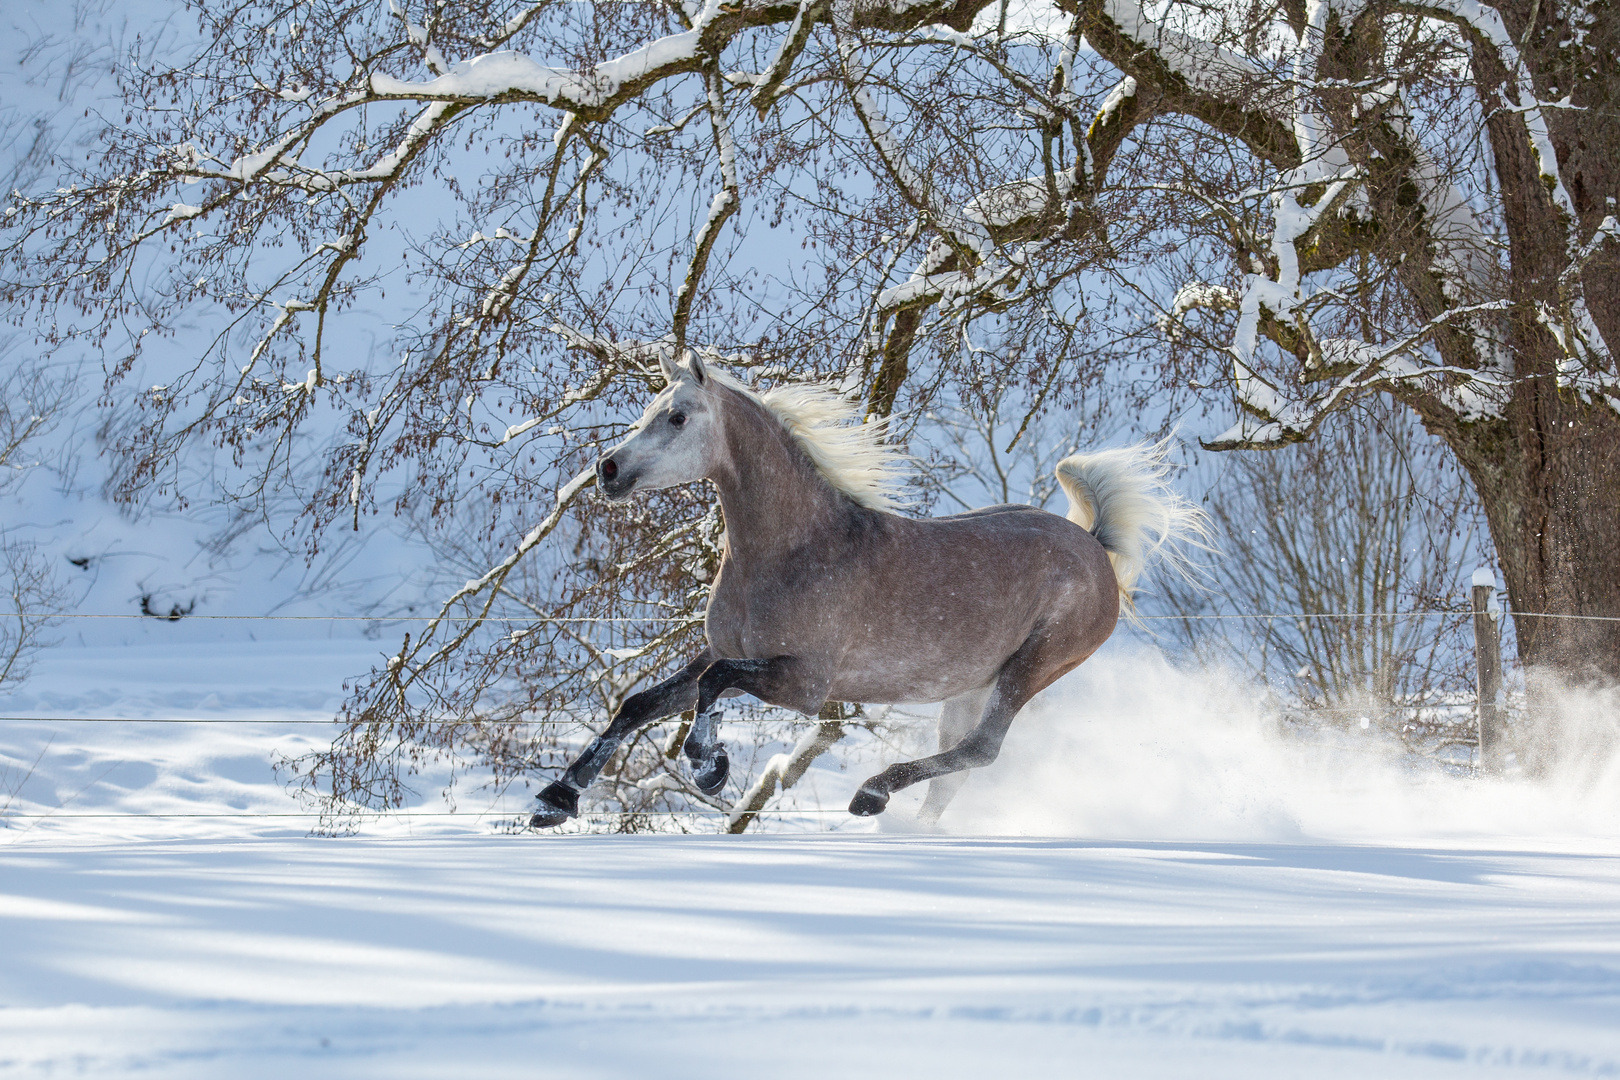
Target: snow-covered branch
782 771
1193 296
1272 419
768 84
1199 63
1187 74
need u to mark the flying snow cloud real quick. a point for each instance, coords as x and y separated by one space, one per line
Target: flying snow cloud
1130 747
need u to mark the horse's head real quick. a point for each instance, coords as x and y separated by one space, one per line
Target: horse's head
675 440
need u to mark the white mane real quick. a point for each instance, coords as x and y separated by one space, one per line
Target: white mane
850 454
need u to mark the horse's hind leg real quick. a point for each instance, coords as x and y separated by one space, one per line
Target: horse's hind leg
1036 665
957 717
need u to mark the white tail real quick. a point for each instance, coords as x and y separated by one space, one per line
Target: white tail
1124 499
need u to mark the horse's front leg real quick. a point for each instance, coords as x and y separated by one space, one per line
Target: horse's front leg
560 801
783 680
704 752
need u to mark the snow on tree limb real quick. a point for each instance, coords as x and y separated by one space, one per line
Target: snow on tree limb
1191 297
768 84
782 771
1201 64
1274 420
1191 76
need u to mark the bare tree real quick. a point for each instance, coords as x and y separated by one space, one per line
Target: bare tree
1375 562
1302 203
35 595
32 401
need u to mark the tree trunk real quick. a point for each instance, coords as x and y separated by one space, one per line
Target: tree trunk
1548 478
1548 472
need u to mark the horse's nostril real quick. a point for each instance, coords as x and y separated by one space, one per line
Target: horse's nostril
609 470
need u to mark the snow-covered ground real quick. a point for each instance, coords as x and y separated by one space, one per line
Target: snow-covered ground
806 956
1189 897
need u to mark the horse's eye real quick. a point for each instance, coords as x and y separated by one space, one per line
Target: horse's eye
677 418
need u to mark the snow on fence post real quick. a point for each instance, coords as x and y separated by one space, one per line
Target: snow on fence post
1488 668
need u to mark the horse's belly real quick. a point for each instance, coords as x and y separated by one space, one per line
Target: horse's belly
901 662
923 665
880 688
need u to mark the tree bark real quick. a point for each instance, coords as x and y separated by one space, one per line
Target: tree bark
1548 478
1548 472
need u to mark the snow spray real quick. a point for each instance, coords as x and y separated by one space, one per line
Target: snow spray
1130 747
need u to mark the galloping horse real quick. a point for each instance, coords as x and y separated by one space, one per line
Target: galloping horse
825 593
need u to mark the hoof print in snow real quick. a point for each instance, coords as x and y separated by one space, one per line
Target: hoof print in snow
868 803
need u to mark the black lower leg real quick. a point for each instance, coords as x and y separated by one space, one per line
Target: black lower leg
559 801
710 765
781 680
975 752
1016 684
561 797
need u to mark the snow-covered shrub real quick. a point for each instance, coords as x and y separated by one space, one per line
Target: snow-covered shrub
1370 537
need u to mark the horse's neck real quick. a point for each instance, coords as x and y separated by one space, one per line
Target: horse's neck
774 499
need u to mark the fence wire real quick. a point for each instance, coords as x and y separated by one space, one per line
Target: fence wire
633 619
518 816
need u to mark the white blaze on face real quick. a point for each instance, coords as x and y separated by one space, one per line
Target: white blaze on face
673 442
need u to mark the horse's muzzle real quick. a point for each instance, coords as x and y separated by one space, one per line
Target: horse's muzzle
613 482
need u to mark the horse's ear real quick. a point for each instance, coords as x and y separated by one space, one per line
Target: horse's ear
666 364
694 364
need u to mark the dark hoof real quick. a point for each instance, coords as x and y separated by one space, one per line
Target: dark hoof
550 817
710 776
558 803
868 803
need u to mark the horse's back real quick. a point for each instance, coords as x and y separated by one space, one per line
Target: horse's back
1022 546
956 596
1025 533
997 510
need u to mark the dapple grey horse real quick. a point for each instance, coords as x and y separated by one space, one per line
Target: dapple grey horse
825 593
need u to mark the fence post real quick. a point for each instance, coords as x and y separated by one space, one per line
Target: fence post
1488 668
